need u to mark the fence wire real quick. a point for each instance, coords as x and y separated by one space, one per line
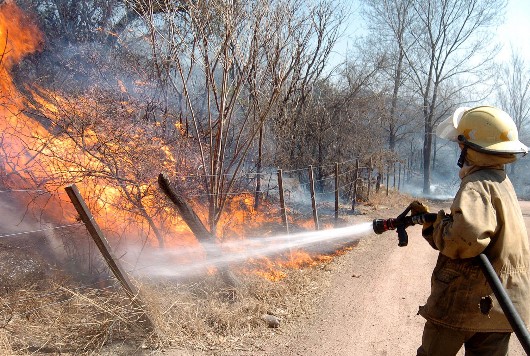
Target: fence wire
76 279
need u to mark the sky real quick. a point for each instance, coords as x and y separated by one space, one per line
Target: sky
514 32
516 29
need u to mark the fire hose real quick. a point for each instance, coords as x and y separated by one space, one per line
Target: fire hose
403 221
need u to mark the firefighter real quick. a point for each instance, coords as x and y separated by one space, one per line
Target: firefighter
485 217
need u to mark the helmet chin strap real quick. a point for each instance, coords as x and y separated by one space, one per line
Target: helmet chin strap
462 157
463 153
466 144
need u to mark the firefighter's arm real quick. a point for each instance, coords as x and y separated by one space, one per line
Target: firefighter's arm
467 231
428 229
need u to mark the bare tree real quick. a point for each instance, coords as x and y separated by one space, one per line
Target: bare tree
513 92
452 41
95 140
354 111
389 22
74 21
315 44
230 62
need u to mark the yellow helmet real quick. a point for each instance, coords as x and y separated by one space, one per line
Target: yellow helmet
484 128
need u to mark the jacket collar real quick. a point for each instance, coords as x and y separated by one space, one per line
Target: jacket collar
476 161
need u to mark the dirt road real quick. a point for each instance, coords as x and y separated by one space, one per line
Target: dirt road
372 303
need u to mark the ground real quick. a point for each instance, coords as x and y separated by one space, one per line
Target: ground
370 307
367 303
372 303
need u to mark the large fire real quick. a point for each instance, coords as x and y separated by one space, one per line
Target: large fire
31 151
49 154
18 38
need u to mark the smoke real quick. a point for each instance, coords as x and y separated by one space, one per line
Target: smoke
438 191
27 237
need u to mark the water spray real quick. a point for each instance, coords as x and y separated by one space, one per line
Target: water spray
239 251
403 221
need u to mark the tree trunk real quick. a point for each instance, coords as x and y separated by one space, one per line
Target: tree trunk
395 92
434 151
258 169
427 147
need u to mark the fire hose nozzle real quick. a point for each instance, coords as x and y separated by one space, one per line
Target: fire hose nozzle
401 223
382 225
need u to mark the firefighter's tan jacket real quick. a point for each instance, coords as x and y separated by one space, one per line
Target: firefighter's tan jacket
485 218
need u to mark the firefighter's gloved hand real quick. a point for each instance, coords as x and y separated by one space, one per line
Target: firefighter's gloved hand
436 234
417 208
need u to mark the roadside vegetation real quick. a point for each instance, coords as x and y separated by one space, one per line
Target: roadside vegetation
219 97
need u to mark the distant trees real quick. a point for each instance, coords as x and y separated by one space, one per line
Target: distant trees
513 92
443 42
389 23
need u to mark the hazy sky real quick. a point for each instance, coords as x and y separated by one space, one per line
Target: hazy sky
514 32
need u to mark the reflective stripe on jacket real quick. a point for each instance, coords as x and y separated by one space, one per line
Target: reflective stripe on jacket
485 217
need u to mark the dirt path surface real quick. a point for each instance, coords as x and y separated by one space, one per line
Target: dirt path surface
372 302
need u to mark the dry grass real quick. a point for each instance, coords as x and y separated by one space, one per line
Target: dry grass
5 345
394 200
198 315
65 320
195 315
60 317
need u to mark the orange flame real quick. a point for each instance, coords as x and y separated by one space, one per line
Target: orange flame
24 139
19 36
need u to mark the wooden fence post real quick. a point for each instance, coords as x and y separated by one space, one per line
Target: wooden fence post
336 191
387 178
369 178
282 201
355 179
313 200
104 248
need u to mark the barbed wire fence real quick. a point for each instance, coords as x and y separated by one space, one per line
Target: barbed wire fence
84 271
328 188
56 293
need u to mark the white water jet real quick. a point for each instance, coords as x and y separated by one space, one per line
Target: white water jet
164 262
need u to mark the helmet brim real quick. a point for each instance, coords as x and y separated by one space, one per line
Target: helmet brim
502 147
446 130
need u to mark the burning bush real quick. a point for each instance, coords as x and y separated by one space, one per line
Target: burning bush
113 139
